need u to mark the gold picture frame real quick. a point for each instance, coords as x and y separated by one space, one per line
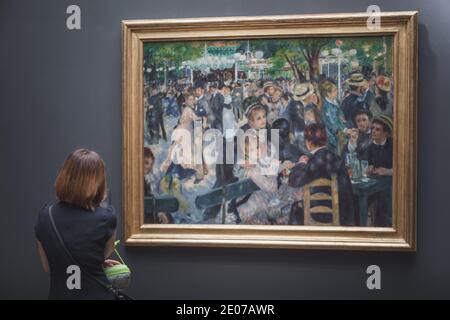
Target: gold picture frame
401 237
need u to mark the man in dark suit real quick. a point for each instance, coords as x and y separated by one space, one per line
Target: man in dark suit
295 110
238 97
216 104
287 150
380 151
358 99
202 108
380 158
155 120
322 163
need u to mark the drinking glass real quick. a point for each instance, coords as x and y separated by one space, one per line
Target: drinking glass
349 164
364 170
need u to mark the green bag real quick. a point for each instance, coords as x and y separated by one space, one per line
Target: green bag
118 275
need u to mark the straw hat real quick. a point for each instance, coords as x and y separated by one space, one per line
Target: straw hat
356 79
302 91
385 120
267 85
383 83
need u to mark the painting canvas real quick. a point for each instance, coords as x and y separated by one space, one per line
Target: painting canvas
313 110
280 131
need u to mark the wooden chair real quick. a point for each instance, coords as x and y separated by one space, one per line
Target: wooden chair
309 196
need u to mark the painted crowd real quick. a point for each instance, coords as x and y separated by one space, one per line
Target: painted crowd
322 126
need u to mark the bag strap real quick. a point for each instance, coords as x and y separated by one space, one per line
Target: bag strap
109 287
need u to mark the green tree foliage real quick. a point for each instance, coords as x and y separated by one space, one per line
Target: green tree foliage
287 57
371 49
164 55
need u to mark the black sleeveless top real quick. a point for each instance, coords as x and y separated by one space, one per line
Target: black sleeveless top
85 234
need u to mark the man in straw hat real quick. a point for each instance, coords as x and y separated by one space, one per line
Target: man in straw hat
355 100
295 110
269 89
275 107
380 151
304 93
380 158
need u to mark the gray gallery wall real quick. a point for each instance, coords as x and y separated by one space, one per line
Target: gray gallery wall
60 90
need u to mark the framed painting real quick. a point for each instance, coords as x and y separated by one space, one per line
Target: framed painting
293 131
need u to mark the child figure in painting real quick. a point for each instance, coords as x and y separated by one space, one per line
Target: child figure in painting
267 205
270 204
256 115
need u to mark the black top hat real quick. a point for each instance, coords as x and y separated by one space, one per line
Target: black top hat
199 84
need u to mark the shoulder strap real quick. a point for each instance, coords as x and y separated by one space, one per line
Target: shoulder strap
70 256
58 235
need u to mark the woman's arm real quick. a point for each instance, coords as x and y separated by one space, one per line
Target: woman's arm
109 248
43 257
265 183
168 161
